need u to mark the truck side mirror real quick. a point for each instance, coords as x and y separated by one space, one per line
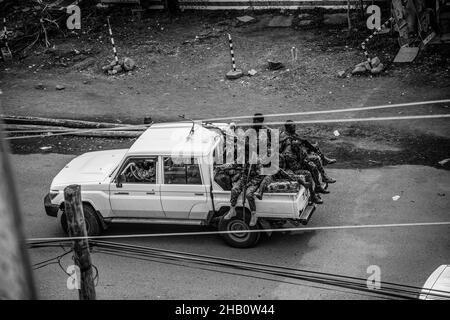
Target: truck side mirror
120 179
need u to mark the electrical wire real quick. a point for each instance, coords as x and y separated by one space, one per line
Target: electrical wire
389 289
136 247
46 135
277 280
129 127
303 113
342 120
177 234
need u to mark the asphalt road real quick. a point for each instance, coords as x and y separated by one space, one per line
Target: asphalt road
406 255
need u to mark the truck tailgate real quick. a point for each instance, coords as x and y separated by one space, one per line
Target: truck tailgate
273 205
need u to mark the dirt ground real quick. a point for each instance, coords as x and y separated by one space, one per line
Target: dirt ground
177 74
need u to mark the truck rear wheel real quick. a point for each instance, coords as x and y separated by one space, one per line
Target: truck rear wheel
239 239
93 227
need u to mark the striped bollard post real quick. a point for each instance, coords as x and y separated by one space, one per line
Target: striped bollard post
364 43
116 59
234 73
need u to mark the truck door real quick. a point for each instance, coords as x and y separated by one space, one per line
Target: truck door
139 194
183 193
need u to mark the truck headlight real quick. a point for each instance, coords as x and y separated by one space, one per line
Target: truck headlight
53 194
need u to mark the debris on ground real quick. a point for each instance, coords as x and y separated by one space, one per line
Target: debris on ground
84 64
395 198
281 21
445 163
210 34
274 65
125 65
40 86
305 23
406 54
305 16
336 133
246 19
234 74
252 72
45 148
374 67
341 74
31 23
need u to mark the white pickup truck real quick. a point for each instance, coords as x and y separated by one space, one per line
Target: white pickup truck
114 191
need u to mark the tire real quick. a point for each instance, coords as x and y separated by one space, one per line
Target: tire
239 240
93 227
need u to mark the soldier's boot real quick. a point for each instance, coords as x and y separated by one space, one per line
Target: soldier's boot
253 219
319 189
230 214
315 198
259 192
326 160
328 179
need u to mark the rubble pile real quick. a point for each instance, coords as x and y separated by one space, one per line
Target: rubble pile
124 65
374 67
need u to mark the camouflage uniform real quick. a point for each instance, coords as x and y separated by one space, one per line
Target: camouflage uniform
268 179
297 158
315 159
311 149
226 174
296 170
250 181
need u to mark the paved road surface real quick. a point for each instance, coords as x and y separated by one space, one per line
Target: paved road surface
405 255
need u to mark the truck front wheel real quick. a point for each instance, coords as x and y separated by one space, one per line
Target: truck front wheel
93 227
238 239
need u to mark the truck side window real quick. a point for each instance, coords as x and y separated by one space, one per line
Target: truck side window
177 171
140 170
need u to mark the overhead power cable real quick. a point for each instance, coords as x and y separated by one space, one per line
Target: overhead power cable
387 288
304 113
178 234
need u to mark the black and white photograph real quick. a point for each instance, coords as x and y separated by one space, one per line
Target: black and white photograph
218 157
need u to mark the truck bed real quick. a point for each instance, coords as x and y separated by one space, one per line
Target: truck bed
273 205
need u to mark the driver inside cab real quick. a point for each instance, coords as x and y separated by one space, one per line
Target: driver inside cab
141 171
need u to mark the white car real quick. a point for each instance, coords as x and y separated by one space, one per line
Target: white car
182 194
437 286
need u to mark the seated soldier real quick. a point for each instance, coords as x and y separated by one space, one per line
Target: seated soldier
293 150
249 179
226 174
313 154
294 168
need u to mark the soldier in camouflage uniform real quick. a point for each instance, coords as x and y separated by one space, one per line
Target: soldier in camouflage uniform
249 179
293 167
290 144
226 174
314 157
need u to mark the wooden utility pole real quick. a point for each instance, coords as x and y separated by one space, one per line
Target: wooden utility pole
77 228
16 280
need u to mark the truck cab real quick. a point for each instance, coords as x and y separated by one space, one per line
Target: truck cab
178 186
